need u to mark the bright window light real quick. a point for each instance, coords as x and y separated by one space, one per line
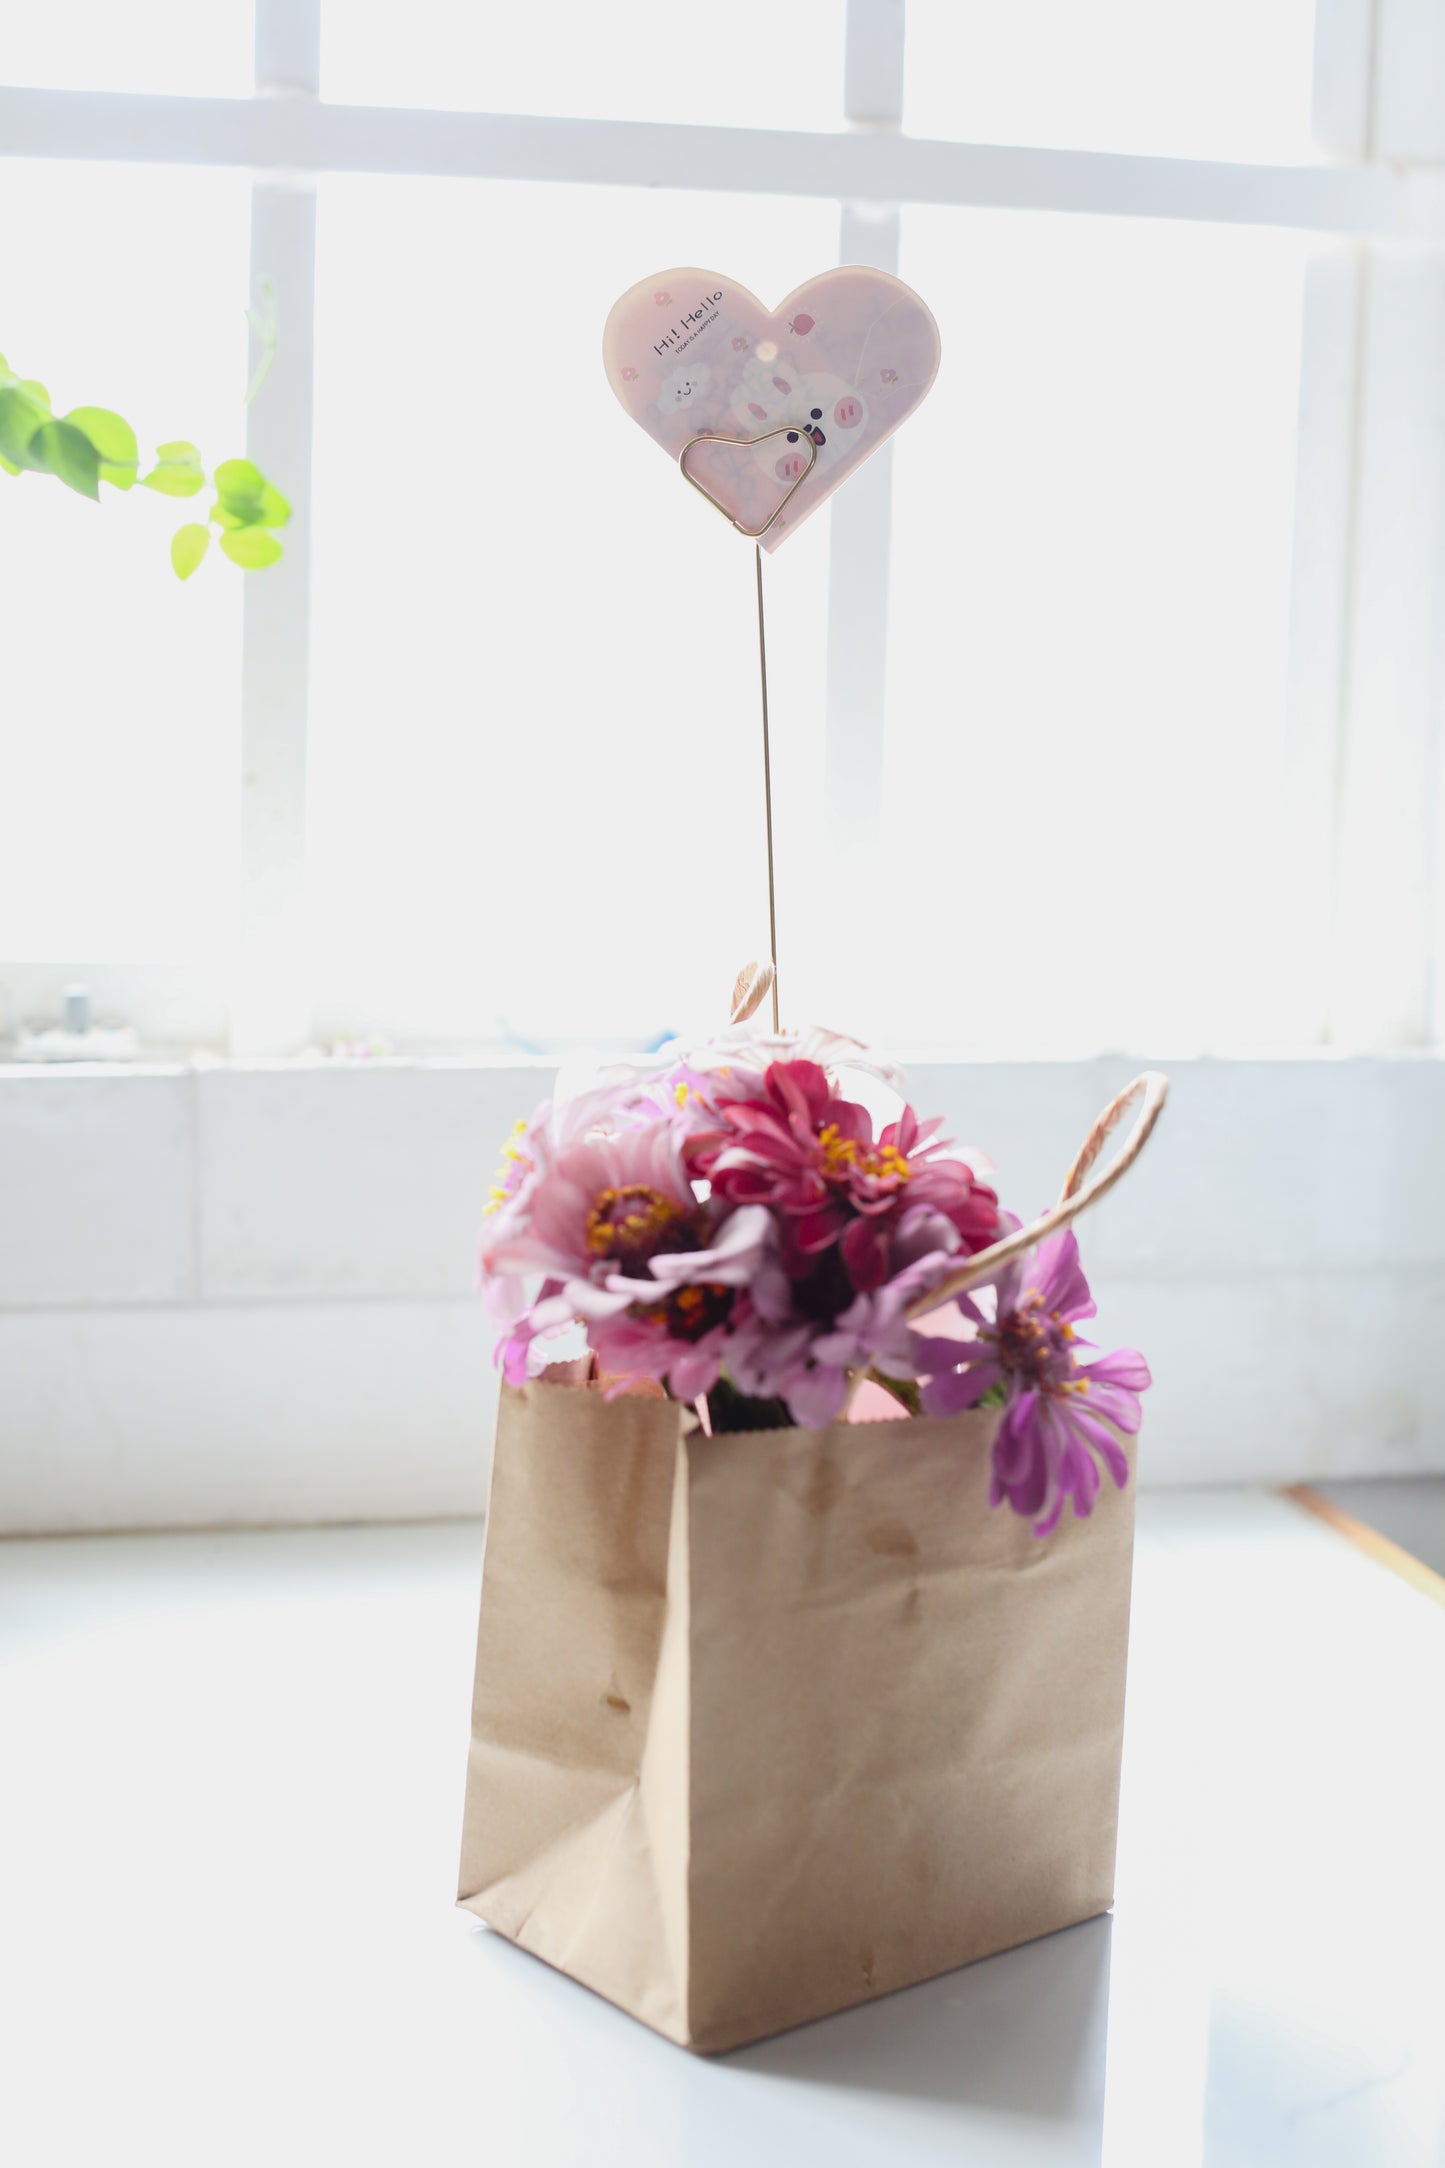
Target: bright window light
534 704
1183 78
1121 730
761 65
119 724
1088 638
193 48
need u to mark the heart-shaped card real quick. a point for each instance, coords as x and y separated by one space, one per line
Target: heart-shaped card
846 358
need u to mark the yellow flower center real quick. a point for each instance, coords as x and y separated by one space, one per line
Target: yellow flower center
506 1180
841 1153
690 1312
630 1218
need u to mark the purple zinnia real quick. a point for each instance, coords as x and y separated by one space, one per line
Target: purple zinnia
1058 1409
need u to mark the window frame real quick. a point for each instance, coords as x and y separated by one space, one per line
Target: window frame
1366 653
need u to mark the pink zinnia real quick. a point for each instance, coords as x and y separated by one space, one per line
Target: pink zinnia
1058 1409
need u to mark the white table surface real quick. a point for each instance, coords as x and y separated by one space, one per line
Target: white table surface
230 1777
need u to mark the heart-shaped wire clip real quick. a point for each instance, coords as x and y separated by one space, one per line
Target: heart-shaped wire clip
786 429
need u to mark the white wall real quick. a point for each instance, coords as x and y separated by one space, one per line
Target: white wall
243 1293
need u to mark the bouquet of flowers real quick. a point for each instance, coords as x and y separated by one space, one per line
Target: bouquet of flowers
733 1232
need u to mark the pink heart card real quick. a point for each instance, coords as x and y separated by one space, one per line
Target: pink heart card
811 389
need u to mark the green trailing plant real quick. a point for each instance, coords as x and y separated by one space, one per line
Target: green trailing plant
91 445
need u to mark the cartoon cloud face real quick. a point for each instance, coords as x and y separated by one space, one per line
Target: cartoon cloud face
684 388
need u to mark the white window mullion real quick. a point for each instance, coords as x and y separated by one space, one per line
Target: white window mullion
1327 490
1342 92
877 165
288 48
1387 901
271 996
861 514
1408 82
873 63
1387 850
1321 599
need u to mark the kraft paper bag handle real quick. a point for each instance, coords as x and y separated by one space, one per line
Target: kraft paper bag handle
1081 1189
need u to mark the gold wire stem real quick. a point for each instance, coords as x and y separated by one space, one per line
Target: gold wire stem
767 782
795 430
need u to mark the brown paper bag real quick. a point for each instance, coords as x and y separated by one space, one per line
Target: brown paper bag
771 1723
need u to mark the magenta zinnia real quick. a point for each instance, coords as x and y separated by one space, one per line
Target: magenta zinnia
810 1156
1060 1409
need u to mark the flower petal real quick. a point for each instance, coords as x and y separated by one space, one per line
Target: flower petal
1126 1366
933 1354
1025 1454
817 1397
1104 1443
1056 1272
865 1254
732 1260
1118 1407
695 1372
956 1390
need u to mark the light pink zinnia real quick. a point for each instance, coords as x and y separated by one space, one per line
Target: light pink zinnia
528 1156
621 1241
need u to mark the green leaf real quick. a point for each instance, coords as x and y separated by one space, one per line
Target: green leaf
8 464
36 393
247 498
188 546
178 471
174 481
275 509
239 478
251 547
113 438
20 417
253 513
56 448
